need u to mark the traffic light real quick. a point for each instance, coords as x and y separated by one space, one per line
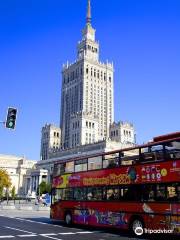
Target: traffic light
11 118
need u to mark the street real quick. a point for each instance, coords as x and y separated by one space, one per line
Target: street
37 225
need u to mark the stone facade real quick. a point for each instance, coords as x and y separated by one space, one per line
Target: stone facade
122 132
16 167
33 178
84 129
50 140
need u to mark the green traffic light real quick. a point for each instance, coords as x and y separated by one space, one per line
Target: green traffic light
10 124
11 118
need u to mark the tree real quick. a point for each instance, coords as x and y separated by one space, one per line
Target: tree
1 192
48 188
13 192
5 181
44 188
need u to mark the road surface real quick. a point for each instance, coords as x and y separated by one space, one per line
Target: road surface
37 225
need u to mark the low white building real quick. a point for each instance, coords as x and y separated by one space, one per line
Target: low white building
32 180
16 168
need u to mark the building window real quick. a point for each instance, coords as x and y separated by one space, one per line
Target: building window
94 72
54 134
98 74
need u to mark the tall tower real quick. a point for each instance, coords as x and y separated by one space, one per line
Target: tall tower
87 95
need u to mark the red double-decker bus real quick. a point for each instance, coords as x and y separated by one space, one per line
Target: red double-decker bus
132 188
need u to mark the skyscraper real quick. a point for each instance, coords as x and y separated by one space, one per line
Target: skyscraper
87 95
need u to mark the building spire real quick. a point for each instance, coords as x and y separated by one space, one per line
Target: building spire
88 18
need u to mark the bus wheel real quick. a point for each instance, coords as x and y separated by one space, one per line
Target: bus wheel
137 226
68 218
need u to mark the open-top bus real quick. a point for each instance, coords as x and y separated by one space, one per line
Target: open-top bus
131 188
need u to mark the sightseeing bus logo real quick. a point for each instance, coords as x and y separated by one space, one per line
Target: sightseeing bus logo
132 174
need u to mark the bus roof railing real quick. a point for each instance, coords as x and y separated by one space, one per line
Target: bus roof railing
166 137
175 137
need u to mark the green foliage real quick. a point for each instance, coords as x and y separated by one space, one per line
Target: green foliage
5 181
1 192
44 188
13 192
48 187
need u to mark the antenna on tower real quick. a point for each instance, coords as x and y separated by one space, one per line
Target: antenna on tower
88 18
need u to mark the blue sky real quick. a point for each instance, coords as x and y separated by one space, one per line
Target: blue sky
141 37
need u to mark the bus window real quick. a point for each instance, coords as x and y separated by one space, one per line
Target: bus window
95 163
176 145
69 167
58 195
62 167
81 165
173 192
125 194
146 154
112 193
178 191
172 149
158 151
160 193
148 193
59 169
56 170
131 193
111 160
68 194
80 194
129 157
104 195
94 193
